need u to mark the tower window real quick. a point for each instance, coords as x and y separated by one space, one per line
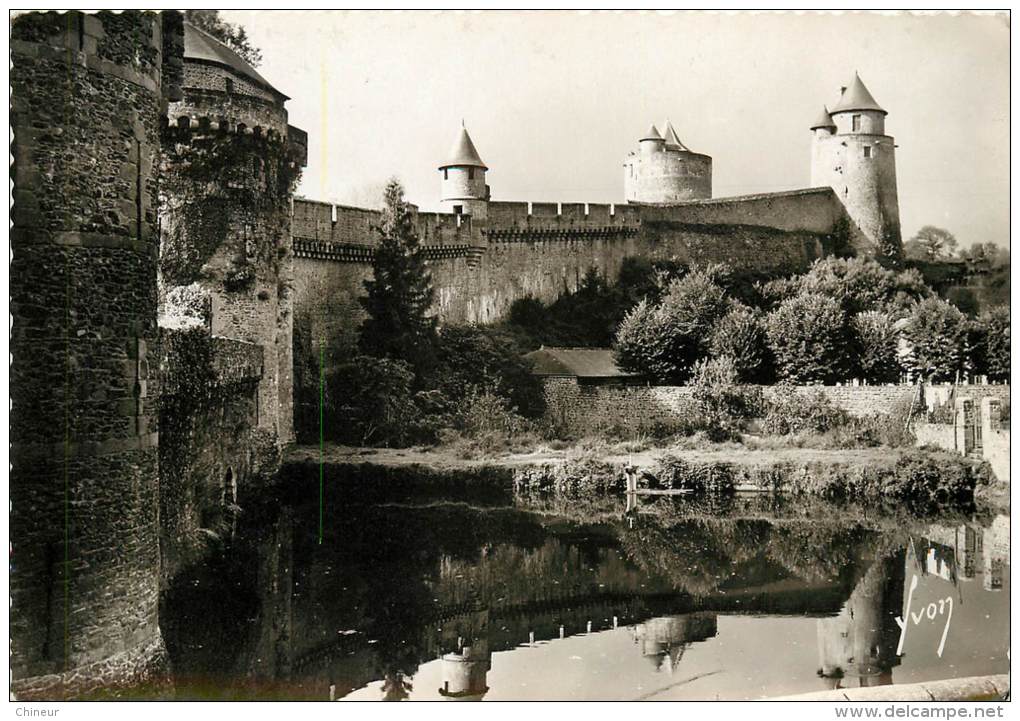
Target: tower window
458 209
867 151
856 123
446 173
230 85
471 173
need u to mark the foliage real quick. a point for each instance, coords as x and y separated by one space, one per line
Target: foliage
470 358
787 412
721 404
671 471
928 478
995 348
664 340
985 258
876 347
930 243
399 295
369 401
938 336
230 34
808 336
858 284
581 471
740 336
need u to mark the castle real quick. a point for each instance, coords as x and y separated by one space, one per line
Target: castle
170 300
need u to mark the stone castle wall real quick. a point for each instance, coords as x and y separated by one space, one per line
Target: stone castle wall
86 97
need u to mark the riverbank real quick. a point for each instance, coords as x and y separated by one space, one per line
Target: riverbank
931 478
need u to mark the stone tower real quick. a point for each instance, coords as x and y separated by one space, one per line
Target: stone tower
664 170
86 93
229 166
852 154
463 189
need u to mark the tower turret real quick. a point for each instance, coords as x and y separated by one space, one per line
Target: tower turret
664 170
852 154
463 189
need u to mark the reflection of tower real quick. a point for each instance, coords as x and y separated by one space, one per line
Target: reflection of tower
465 672
664 639
861 640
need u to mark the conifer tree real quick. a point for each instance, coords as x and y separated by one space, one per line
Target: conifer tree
399 294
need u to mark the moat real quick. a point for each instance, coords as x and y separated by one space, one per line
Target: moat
523 598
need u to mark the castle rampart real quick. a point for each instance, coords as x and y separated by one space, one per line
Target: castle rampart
86 96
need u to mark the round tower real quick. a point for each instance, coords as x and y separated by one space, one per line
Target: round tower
852 154
665 171
84 511
463 188
230 163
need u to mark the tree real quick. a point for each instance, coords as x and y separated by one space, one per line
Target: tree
665 340
876 347
859 284
230 34
995 349
721 403
938 335
984 258
931 243
399 294
808 336
740 336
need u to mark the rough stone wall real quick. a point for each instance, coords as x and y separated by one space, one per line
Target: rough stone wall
211 445
228 174
580 408
667 176
939 395
84 477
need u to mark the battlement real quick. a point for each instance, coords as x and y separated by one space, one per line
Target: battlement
504 216
207 125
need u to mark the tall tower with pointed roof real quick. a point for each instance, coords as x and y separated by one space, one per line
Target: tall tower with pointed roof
463 188
664 170
851 153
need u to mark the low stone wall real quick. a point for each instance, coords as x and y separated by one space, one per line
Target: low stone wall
580 408
937 435
938 395
973 421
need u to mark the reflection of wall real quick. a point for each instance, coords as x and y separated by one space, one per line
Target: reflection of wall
664 639
861 640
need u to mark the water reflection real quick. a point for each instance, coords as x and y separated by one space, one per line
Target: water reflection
668 599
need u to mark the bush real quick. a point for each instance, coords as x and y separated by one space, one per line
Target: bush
939 338
995 349
664 340
673 472
582 471
722 406
369 401
807 333
740 335
931 478
876 347
788 412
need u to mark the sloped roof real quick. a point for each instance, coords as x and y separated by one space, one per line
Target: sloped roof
200 45
463 152
672 139
652 134
824 120
857 97
577 362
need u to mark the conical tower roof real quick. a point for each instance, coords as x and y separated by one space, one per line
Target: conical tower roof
463 152
824 120
672 139
857 97
652 134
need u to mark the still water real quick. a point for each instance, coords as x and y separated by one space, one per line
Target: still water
659 599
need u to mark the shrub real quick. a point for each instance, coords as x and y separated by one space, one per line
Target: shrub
673 472
876 347
666 339
722 406
807 334
931 478
995 343
485 412
740 335
938 334
788 412
369 401
582 471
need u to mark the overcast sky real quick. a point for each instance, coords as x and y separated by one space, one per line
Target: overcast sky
554 101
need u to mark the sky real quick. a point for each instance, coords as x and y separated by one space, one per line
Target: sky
554 101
